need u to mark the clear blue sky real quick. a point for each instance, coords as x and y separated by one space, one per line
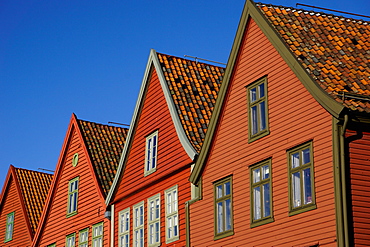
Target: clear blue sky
88 58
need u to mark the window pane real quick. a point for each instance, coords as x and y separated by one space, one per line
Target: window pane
254 120
227 188
296 184
262 109
220 227
266 200
306 156
256 175
265 172
295 160
219 191
261 89
253 94
307 196
228 215
257 203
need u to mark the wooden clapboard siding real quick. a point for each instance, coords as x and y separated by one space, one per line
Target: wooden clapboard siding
91 206
173 163
12 203
359 162
295 117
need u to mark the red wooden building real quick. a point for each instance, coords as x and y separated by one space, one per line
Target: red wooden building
286 159
74 211
21 203
149 194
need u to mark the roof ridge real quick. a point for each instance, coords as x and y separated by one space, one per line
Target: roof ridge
209 64
312 12
101 124
29 170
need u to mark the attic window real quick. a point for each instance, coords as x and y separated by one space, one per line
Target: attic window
75 160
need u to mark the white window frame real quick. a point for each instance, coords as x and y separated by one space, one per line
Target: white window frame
9 228
71 240
172 214
151 151
97 235
72 204
138 225
154 220
124 228
83 238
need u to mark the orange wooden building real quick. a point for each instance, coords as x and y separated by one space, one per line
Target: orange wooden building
285 161
74 211
21 203
150 192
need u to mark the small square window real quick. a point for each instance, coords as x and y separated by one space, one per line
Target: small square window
301 179
223 208
138 222
261 198
151 153
71 240
124 228
257 110
97 235
9 227
72 197
83 240
154 217
172 214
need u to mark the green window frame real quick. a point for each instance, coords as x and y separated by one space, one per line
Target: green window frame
138 225
151 151
71 240
72 203
52 245
83 238
301 179
223 208
97 235
9 228
124 228
154 218
261 193
258 120
172 214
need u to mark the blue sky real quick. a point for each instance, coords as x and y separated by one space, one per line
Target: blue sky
88 58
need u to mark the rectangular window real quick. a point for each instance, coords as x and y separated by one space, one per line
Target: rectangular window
261 206
223 208
172 215
138 222
72 197
154 206
97 235
84 238
70 240
9 227
301 179
124 228
257 109
151 153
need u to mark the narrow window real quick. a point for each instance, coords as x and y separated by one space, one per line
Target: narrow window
154 205
172 214
138 222
97 235
261 206
70 240
9 227
223 208
301 179
72 197
151 153
257 109
124 228
84 238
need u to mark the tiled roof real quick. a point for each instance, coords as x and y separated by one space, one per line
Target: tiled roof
194 87
334 50
105 144
34 187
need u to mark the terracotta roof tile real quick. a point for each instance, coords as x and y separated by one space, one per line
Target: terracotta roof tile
34 187
334 50
105 144
194 88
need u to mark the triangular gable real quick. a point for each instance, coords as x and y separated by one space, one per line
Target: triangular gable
176 102
252 11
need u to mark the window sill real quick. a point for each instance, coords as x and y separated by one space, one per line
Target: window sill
147 173
224 234
71 214
302 209
252 138
261 222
